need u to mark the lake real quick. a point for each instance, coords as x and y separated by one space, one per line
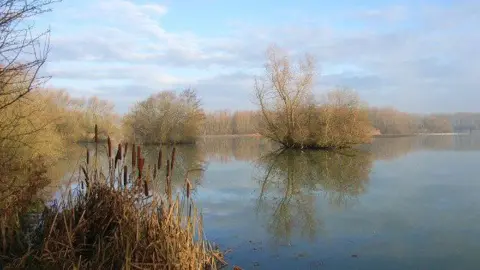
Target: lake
398 203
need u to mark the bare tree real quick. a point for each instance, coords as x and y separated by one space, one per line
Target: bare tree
282 94
291 116
165 117
22 51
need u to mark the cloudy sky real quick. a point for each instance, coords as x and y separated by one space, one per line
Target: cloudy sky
419 56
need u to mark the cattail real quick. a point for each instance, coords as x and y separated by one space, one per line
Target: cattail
125 150
125 175
109 144
118 156
134 157
154 172
139 153
141 162
168 169
119 151
145 183
159 161
173 157
88 156
188 188
96 134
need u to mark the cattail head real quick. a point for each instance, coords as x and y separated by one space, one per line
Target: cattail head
125 175
139 153
96 134
88 156
145 187
125 150
109 144
141 162
173 158
134 157
119 151
159 161
168 168
118 156
188 187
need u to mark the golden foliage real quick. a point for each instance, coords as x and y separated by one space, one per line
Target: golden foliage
290 115
165 117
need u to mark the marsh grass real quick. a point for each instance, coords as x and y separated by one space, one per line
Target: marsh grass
112 221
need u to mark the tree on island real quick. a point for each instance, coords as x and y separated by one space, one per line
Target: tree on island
291 116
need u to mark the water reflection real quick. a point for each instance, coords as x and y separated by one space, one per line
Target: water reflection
194 159
227 149
291 180
393 148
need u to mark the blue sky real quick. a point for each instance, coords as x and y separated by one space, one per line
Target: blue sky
419 56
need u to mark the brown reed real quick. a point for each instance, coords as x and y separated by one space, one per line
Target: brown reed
159 161
125 176
109 146
139 153
96 134
134 157
173 157
118 156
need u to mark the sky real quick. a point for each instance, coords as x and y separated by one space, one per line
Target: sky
418 56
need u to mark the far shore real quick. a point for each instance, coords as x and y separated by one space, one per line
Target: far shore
418 134
231 135
374 136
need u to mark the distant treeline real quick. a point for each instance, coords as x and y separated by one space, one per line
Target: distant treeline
227 122
385 120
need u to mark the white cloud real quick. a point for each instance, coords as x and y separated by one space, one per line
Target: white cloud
155 9
388 14
428 62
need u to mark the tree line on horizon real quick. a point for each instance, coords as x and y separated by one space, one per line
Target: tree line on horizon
386 120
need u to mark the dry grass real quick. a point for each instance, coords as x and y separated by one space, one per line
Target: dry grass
111 221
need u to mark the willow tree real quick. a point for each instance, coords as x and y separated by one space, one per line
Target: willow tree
283 95
291 116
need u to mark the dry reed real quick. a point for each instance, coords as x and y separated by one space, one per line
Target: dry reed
109 226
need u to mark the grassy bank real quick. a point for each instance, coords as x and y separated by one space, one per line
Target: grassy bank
111 220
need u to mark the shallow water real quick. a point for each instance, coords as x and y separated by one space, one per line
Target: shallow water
399 203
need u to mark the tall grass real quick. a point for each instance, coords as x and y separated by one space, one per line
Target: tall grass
111 220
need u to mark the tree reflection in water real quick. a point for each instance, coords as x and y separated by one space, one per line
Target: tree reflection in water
290 182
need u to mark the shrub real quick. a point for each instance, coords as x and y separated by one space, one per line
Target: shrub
165 117
290 115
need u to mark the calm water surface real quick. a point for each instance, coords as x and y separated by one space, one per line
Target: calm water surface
399 203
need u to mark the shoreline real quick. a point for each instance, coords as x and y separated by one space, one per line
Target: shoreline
418 134
231 135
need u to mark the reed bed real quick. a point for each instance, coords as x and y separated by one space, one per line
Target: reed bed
113 221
